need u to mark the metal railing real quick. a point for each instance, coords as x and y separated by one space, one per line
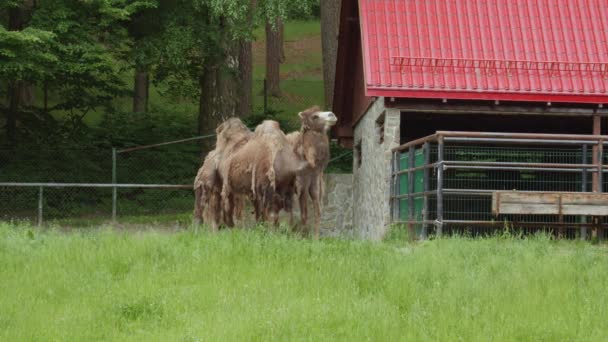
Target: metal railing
445 181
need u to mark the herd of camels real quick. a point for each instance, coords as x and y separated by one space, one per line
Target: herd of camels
268 167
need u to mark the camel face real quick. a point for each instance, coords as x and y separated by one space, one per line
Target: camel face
316 120
329 118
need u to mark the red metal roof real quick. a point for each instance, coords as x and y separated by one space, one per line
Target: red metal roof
520 50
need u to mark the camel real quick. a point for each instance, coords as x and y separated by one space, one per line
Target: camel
311 144
207 192
231 135
263 169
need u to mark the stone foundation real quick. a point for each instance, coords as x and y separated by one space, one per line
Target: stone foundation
337 219
375 135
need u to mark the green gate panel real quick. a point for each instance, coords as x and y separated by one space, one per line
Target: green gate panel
418 185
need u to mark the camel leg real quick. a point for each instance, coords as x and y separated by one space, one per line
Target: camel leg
238 208
258 206
214 210
316 202
303 210
228 202
289 207
275 217
198 206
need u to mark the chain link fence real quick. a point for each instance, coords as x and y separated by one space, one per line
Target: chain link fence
76 186
159 176
121 184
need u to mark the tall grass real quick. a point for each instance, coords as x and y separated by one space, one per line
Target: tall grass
256 285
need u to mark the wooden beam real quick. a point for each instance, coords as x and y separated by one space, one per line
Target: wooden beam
549 203
502 109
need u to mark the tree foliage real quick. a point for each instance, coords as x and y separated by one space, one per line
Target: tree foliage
79 50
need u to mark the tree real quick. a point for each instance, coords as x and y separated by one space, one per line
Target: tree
244 107
67 47
275 12
143 29
199 55
25 56
273 58
330 21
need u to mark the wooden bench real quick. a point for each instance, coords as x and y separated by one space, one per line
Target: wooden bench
550 203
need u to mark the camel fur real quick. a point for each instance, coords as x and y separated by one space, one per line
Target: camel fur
231 135
264 169
311 144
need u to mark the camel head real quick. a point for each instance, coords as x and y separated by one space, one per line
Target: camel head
316 120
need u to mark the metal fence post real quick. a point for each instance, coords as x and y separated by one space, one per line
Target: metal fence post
584 189
397 185
394 191
40 204
439 220
410 193
425 181
114 189
600 187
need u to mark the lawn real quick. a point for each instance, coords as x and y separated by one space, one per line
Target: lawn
103 284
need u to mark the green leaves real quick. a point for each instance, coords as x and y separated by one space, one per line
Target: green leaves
25 55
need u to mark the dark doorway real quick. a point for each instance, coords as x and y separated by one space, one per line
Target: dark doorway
417 125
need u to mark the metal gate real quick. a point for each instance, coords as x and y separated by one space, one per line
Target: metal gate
445 182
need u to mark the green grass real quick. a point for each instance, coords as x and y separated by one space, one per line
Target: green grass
253 285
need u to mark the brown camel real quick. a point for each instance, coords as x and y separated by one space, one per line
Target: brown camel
264 168
231 135
311 144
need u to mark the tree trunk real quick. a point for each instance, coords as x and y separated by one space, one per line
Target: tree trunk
13 110
273 54
27 94
218 99
140 90
46 96
330 21
245 105
281 28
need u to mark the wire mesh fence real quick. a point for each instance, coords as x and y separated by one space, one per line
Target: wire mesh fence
161 164
75 185
447 182
88 186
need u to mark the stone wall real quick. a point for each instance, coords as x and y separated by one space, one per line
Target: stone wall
337 219
371 170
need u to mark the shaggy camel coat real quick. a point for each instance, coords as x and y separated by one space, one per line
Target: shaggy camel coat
312 145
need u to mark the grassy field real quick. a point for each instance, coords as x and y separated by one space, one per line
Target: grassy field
256 285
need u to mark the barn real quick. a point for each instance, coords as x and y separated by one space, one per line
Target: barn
474 114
